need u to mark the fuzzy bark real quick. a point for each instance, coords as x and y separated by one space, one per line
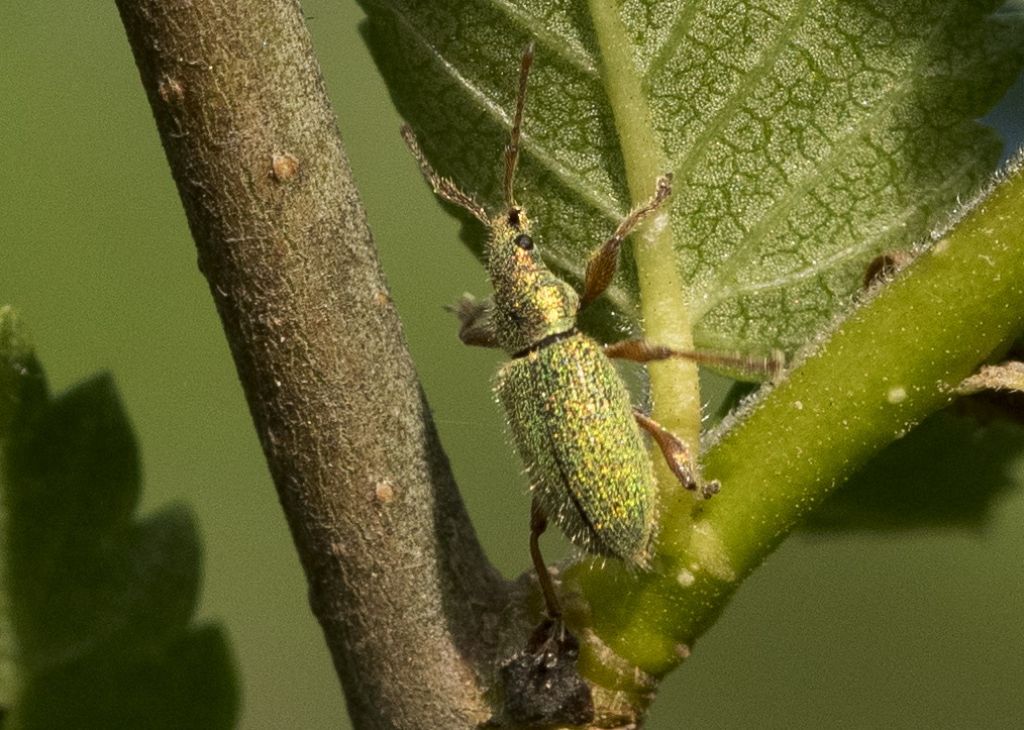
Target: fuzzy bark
405 597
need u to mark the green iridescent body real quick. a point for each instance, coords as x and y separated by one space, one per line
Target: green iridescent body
572 422
568 410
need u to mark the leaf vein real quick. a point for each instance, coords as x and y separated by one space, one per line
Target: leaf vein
769 56
738 258
560 46
675 36
849 252
567 177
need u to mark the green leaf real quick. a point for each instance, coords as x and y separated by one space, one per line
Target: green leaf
805 137
98 603
184 683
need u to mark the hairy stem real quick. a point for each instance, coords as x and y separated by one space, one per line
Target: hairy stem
664 306
396 577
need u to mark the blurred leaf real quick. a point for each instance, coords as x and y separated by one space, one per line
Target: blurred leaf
98 603
805 137
21 378
184 683
948 472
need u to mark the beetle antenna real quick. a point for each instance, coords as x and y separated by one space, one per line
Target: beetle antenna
443 187
512 148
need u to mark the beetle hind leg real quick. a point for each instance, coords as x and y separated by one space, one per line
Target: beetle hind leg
677 456
538 524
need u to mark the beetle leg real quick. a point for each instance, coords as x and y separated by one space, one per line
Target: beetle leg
644 351
475 323
605 260
538 524
677 455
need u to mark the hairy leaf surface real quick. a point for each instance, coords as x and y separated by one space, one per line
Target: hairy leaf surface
805 137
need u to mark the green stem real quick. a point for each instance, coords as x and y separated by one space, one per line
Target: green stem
896 359
665 309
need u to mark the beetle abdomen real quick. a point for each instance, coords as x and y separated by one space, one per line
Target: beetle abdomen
572 421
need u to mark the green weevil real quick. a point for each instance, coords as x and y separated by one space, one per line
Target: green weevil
568 409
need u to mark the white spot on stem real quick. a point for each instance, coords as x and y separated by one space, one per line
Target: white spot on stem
896 395
712 555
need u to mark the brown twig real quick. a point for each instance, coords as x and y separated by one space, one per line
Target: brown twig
397 580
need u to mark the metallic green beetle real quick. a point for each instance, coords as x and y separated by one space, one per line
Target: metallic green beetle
567 407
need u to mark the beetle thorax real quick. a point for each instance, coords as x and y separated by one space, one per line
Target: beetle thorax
530 302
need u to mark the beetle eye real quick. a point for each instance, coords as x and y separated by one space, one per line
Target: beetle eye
524 242
513 217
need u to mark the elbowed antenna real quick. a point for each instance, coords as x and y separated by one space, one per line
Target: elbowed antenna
442 186
512 148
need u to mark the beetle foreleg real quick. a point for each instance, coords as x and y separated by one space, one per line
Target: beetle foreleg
476 327
605 260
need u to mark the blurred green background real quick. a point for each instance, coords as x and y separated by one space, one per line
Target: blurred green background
849 631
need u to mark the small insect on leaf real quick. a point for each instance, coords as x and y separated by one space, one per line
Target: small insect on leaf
568 409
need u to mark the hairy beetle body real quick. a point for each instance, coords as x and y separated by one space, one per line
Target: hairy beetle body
568 410
573 425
